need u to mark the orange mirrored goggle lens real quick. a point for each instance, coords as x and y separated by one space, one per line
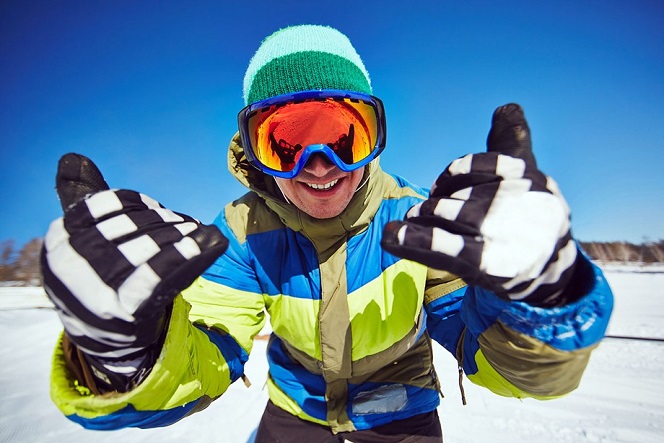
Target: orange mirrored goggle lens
280 133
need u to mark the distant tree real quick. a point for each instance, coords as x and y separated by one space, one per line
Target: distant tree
6 260
658 251
647 252
653 251
26 264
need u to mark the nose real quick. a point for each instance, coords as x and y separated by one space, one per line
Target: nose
319 165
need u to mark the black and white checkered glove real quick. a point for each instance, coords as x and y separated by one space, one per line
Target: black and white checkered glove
114 263
495 220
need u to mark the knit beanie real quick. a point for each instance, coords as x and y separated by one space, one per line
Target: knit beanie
304 58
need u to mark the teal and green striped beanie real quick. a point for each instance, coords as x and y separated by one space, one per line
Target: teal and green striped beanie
304 58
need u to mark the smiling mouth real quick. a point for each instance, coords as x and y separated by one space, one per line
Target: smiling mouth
323 187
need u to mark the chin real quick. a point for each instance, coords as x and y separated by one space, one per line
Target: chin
323 214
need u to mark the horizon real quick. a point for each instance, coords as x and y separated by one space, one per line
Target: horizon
150 92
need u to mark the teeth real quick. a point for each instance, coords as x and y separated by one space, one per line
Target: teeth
322 187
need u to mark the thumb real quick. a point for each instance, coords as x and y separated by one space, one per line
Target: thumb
510 134
77 177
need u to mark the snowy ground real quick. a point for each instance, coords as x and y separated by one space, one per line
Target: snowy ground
621 398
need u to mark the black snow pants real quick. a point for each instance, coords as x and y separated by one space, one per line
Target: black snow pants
278 426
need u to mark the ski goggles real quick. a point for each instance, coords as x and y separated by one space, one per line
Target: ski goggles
281 133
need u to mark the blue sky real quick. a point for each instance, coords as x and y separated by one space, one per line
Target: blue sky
150 91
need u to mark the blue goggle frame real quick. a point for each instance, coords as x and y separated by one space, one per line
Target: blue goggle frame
245 114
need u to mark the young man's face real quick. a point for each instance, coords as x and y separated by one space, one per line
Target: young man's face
321 190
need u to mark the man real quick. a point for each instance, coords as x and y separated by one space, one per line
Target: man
160 311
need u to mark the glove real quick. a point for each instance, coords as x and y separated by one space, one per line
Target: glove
114 263
495 220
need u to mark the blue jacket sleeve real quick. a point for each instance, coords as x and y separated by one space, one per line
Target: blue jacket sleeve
515 349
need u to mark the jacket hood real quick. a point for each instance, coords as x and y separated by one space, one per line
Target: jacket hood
324 233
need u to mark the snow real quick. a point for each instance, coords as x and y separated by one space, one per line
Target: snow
620 399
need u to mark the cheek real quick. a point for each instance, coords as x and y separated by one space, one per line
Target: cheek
287 188
356 178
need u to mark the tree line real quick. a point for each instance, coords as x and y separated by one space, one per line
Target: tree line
647 252
21 267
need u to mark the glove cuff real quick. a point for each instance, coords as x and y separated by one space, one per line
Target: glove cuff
580 281
114 375
103 374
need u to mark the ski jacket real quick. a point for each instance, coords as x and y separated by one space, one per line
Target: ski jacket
352 325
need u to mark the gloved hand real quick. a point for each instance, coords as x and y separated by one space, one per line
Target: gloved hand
114 263
495 220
